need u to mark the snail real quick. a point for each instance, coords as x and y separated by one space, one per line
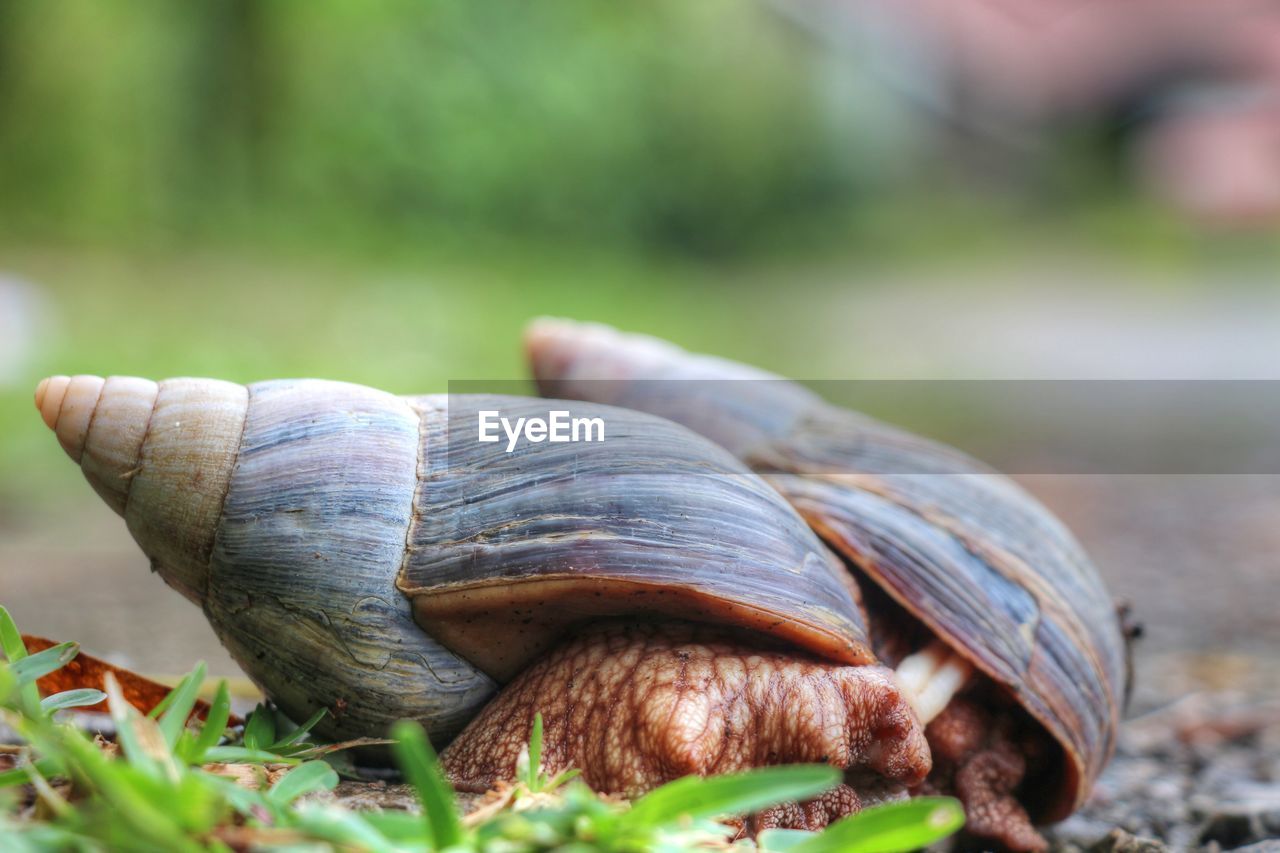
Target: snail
1002 632
663 608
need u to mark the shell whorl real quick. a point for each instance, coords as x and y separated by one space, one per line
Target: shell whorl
977 560
282 509
159 454
591 361
346 554
66 404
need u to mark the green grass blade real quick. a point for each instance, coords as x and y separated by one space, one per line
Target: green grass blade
890 828
535 750
117 782
741 793
15 650
51 799
395 825
249 802
779 840
561 778
18 775
182 699
303 779
420 766
78 698
31 667
140 740
8 687
301 731
260 728
343 829
11 637
244 755
215 725
161 706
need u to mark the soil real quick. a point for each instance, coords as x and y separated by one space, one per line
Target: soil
1198 764
1200 774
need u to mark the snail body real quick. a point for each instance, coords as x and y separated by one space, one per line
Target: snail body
362 552
1011 607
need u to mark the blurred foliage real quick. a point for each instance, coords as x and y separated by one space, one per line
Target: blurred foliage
168 783
385 193
695 126
406 325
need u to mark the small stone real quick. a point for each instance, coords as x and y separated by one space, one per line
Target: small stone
1079 832
1181 837
1119 841
1229 829
1225 772
1058 846
365 796
1166 789
1247 812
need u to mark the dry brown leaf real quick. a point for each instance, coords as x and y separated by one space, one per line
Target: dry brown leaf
88 671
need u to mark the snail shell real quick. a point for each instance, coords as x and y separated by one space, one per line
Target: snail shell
971 555
363 552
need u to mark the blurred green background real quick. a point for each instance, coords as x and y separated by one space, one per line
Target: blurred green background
386 193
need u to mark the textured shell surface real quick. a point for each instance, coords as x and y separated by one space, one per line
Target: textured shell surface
656 520
353 552
962 548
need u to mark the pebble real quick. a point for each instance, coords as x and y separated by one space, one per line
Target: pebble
1119 841
1164 793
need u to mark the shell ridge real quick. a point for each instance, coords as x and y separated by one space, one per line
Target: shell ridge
1065 545
146 434
62 404
993 557
875 546
1037 656
93 416
419 471
343 471
1001 560
226 493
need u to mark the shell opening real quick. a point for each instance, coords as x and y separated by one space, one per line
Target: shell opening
931 677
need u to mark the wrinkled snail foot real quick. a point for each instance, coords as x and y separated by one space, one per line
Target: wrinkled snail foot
635 706
812 815
978 762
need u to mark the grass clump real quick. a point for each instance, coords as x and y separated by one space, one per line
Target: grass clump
172 782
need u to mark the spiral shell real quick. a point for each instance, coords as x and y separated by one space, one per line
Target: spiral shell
353 553
964 550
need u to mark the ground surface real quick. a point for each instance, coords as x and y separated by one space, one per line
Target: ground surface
1203 773
1199 759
